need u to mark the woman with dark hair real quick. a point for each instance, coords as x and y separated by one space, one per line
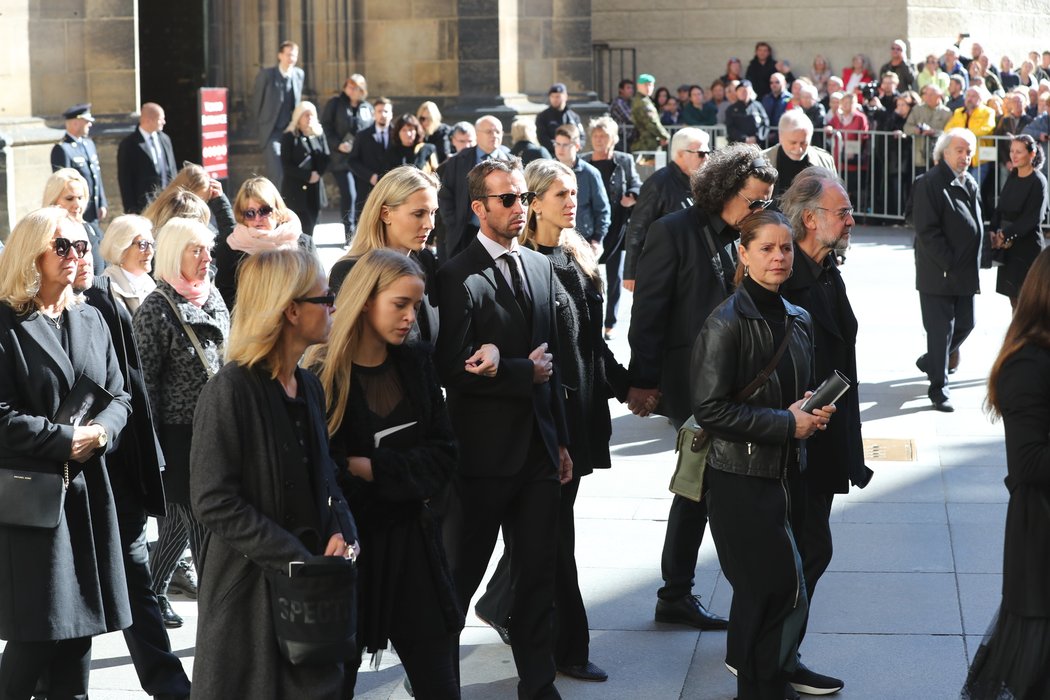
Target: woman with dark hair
660 98
304 154
762 67
409 147
734 71
1013 661
757 453
1016 220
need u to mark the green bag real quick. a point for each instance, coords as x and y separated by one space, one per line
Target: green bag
692 447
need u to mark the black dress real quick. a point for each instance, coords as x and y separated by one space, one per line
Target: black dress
1022 207
1013 661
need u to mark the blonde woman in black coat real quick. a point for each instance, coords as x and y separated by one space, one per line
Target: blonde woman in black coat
59 586
304 155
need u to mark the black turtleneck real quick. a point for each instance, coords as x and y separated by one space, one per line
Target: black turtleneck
771 306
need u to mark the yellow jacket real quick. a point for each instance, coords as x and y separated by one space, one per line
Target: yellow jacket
981 122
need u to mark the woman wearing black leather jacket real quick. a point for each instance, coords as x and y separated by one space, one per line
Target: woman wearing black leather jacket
757 453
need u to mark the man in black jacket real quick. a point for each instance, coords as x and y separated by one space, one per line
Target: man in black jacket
548 121
134 468
369 157
76 150
948 233
667 190
822 218
145 160
684 272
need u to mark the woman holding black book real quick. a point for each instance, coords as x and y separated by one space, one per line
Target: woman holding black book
62 584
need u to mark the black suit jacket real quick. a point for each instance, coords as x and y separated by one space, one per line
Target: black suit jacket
666 191
835 457
493 417
137 460
137 174
82 157
948 233
454 201
676 288
368 158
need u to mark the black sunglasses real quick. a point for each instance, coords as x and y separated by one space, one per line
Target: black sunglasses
756 204
702 154
64 245
326 300
507 200
262 211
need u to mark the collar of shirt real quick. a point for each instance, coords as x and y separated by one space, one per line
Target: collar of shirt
494 249
148 135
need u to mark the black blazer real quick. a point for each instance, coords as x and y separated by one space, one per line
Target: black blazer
492 415
948 233
368 157
82 157
137 459
666 191
677 287
137 174
454 200
835 455
302 155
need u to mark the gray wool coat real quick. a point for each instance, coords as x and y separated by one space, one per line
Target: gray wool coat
66 582
237 462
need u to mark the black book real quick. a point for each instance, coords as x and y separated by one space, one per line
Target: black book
83 403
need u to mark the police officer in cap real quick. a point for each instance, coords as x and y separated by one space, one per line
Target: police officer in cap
76 150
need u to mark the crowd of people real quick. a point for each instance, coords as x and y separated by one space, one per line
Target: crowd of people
450 377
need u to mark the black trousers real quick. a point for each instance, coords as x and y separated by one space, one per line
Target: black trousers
572 630
811 523
526 506
65 663
751 526
948 320
686 522
614 287
431 664
344 180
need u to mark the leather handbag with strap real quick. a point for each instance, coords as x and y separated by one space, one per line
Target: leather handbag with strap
694 442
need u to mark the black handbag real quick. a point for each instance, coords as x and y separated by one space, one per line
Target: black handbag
315 610
33 498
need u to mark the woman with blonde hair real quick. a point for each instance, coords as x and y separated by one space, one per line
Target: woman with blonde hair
526 145
128 248
378 385
264 222
68 189
173 202
64 581
591 376
181 329
304 154
263 482
435 131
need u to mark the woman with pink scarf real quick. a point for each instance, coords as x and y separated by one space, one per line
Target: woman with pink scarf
181 329
264 222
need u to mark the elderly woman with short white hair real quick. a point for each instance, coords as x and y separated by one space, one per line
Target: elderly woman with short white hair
128 248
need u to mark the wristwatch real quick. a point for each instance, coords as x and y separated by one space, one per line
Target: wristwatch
103 439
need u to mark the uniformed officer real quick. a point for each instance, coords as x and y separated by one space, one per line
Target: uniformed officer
76 150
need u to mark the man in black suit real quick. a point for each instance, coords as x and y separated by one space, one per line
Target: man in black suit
684 271
145 160
76 150
948 233
511 427
134 468
821 218
278 89
369 158
454 205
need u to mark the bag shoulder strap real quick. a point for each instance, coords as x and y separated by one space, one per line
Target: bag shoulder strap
193 335
768 370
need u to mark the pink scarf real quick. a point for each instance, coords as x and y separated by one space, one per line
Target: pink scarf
194 292
252 241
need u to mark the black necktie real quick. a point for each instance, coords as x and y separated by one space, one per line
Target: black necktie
519 287
162 163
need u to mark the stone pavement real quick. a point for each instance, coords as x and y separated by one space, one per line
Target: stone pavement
917 568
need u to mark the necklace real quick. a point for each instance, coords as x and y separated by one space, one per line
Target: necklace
56 322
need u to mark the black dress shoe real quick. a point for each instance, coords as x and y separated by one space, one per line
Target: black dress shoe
171 620
584 672
503 632
688 610
807 681
921 363
944 406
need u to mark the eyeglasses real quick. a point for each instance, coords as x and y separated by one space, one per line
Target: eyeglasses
252 214
143 246
64 245
326 300
755 204
508 199
843 213
702 154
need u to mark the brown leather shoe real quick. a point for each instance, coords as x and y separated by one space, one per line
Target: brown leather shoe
953 361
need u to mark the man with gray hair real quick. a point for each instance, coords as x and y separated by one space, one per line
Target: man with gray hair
463 136
793 153
948 233
821 217
666 191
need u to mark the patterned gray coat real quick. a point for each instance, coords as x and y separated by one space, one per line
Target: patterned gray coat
175 375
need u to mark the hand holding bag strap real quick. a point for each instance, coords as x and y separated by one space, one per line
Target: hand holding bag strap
189 331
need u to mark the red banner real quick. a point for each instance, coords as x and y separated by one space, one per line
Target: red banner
214 139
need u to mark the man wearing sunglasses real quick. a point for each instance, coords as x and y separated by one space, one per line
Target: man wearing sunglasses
511 426
684 271
666 191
